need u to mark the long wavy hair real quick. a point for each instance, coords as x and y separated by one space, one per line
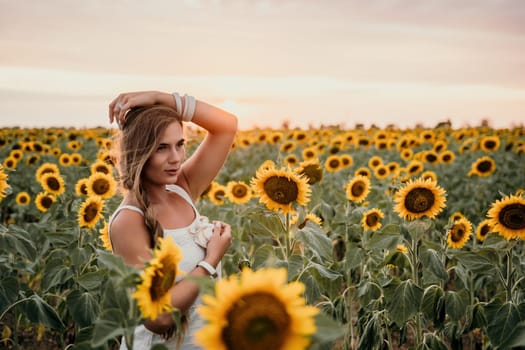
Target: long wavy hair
138 139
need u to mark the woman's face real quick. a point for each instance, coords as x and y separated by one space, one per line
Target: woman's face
163 166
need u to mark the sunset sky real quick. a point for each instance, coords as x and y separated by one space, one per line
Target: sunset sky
309 62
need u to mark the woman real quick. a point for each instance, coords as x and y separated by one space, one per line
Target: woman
160 190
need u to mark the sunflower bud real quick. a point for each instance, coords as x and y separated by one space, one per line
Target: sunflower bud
338 248
244 263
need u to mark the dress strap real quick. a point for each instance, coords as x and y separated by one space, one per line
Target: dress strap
181 192
114 215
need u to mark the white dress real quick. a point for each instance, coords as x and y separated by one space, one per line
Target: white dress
191 240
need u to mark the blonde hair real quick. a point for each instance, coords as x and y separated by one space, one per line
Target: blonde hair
136 142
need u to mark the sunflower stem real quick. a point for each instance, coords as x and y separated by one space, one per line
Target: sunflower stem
508 282
415 277
288 238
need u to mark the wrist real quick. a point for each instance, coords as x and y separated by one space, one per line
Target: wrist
208 268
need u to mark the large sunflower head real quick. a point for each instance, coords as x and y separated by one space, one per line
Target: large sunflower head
312 170
483 166
90 212
256 310
53 183
459 233
217 193
372 219
507 217
153 292
101 185
238 192
357 188
280 189
418 198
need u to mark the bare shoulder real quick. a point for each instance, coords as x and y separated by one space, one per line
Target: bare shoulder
130 237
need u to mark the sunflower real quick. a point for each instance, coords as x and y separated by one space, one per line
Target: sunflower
447 157
483 229
53 183
104 237
346 160
459 233
17 154
153 292
455 216
333 163
402 248
489 143
418 198
43 201
483 166
429 174
217 193
294 220
32 159
45 169
90 212
431 157
363 171
414 167
357 188
3 182
102 185
375 161
372 219
81 187
64 159
76 158
256 310
23 198
291 160
406 154
309 153
280 189
288 146
267 164
381 172
507 217
238 192
10 163
100 166
312 170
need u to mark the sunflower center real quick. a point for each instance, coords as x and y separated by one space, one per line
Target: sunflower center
358 188
457 232
163 279
490 144
334 163
24 199
239 191
281 189
90 212
100 186
256 322
485 229
485 166
512 216
372 219
53 184
419 200
46 202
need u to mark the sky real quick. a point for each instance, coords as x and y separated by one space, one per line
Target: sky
307 62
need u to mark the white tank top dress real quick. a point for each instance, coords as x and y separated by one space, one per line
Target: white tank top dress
192 240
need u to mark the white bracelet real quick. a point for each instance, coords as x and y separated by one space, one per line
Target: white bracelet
189 108
178 103
206 266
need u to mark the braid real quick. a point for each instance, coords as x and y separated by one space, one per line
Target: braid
152 224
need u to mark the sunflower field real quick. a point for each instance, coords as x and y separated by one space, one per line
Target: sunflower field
362 238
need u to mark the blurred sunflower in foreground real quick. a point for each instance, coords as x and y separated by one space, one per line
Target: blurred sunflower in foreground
280 189
257 310
158 277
